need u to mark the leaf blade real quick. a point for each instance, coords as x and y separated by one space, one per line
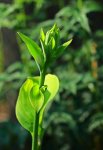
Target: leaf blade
61 49
52 83
36 98
34 49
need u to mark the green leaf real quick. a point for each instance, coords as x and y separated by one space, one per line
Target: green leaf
52 83
51 43
24 110
31 99
92 6
47 38
67 43
83 20
43 49
36 98
61 49
96 121
34 50
42 35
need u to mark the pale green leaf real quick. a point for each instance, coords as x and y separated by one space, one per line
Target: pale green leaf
52 43
36 98
31 100
52 83
47 37
43 49
67 43
24 110
42 35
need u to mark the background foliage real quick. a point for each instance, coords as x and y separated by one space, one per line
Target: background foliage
75 120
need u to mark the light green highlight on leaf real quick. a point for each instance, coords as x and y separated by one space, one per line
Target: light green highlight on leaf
42 35
31 99
24 109
67 43
36 98
52 83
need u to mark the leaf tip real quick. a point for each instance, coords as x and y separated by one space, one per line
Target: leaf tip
18 33
68 42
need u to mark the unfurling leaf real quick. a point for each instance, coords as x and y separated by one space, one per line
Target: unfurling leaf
52 83
24 110
36 98
32 99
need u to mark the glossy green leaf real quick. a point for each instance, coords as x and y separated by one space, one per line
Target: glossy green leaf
42 35
52 83
36 98
52 43
67 43
24 110
31 99
47 38
34 49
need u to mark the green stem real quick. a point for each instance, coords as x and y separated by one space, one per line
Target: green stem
36 140
35 132
41 137
42 76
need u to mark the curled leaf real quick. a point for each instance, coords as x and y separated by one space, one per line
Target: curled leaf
24 110
52 83
32 99
36 98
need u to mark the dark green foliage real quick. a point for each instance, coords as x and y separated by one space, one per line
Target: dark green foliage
76 121
12 136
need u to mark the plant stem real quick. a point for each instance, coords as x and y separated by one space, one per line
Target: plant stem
35 132
42 76
36 142
41 137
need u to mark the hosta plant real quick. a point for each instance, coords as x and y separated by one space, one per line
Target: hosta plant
37 92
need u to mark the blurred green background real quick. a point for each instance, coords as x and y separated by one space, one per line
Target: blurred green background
75 119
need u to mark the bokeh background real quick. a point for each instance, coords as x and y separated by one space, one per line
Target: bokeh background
75 119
